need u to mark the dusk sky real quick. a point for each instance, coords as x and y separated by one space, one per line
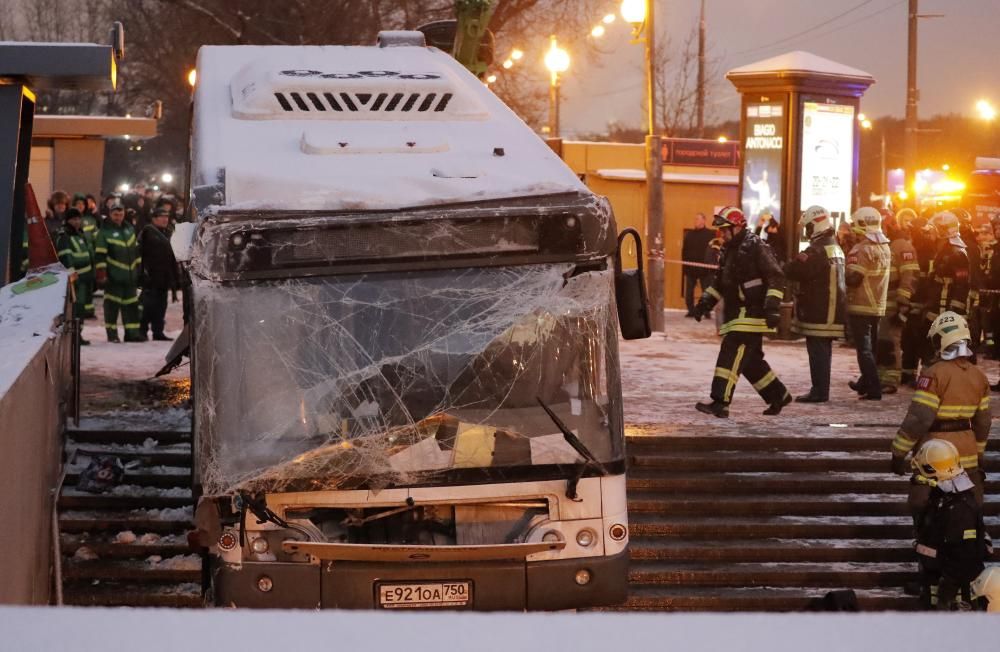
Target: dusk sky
959 54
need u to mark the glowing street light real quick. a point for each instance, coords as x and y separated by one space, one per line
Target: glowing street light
516 54
866 124
608 19
598 31
192 77
508 64
557 61
986 110
723 139
491 79
633 11
166 177
862 117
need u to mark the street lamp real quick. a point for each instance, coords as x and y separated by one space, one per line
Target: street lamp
166 177
987 113
557 61
639 13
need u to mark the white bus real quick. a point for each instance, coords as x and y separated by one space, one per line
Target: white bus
404 341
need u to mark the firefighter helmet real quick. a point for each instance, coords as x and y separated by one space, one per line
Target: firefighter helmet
728 217
964 217
905 217
815 221
866 220
987 585
946 225
938 460
949 328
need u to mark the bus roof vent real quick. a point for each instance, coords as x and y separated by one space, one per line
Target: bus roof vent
316 94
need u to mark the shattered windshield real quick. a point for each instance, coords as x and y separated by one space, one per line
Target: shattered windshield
394 378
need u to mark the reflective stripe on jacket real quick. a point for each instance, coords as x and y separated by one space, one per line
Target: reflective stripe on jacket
868 267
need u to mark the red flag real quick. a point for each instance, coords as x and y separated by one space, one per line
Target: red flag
41 251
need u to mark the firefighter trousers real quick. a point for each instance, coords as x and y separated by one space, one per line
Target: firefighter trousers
743 354
888 351
121 298
83 292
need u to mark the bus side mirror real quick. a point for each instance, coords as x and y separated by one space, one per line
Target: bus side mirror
630 293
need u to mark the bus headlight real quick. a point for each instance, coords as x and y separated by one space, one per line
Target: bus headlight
259 545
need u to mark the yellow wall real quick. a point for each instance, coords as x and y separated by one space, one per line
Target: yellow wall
681 200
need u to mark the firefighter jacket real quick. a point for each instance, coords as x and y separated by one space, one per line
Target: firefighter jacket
74 252
982 277
819 297
952 402
90 227
117 252
903 275
868 268
952 541
925 254
947 284
750 284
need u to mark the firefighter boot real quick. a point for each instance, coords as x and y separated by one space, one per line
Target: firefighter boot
717 408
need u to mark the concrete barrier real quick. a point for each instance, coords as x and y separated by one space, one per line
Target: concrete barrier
35 385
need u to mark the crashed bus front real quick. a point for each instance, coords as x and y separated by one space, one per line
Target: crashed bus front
404 342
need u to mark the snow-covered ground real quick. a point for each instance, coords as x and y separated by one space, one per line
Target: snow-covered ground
27 320
665 375
155 630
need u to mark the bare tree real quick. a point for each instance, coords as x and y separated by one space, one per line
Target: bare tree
676 87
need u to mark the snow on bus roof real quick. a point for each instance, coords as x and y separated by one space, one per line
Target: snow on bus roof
359 128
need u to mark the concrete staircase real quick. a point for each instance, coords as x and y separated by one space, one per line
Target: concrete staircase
128 547
762 522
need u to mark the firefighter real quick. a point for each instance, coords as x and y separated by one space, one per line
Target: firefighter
914 339
76 255
948 277
951 543
819 298
981 301
867 277
751 286
118 264
902 280
952 402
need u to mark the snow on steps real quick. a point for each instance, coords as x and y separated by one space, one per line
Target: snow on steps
128 546
766 521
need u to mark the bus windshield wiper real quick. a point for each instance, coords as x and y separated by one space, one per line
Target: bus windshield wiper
590 461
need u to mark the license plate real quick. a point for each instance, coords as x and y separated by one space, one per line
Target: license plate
424 595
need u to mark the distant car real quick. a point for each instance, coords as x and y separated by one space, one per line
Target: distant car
982 191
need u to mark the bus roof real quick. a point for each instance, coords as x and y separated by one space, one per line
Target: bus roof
359 128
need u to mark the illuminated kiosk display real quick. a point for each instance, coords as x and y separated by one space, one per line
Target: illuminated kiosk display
799 133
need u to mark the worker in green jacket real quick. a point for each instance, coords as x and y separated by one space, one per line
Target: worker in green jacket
118 263
87 205
76 255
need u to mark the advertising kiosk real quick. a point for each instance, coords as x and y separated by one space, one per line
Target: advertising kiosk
799 132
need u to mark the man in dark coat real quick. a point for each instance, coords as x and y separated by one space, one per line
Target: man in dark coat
159 273
693 250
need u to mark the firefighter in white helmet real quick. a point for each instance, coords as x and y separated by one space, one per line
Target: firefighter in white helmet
952 402
949 277
818 272
952 543
868 267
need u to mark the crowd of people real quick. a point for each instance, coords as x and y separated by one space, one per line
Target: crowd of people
119 247
919 305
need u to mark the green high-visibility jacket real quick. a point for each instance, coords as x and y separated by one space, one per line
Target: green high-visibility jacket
117 253
75 253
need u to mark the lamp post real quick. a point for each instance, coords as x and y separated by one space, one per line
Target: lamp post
557 61
866 125
639 13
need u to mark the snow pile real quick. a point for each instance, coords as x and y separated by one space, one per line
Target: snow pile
27 320
105 630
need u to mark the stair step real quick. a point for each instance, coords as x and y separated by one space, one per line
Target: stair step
785 575
70 499
778 483
164 437
105 550
132 570
878 440
658 598
137 521
149 457
832 550
777 462
785 505
801 528
121 594
141 477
